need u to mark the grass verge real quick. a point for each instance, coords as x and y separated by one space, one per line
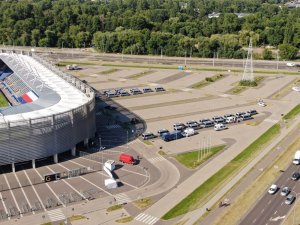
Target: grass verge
190 159
125 220
147 142
106 72
242 86
65 63
142 203
3 101
293 113
76 217
47 223
207 81
141 74
114 207
211 185
247 199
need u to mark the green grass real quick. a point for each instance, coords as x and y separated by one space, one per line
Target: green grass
237 89
114 207
147 142
243 85
65 63
3 101
293 113
207 81
190 159
106 72
125 220
141 74
76 217
209 187
49 223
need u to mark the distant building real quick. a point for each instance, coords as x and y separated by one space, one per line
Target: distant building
293 4
241 15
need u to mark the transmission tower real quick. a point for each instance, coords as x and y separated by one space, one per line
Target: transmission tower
248 70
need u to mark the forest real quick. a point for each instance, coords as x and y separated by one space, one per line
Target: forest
168 27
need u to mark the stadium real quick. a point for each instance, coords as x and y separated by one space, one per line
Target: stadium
48 112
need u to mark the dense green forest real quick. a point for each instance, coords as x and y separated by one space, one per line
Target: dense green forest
171 27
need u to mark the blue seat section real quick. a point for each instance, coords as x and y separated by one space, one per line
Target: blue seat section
20 99
6 72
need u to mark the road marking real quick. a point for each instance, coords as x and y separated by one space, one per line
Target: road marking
11 192
271 121
156 159
145 218
23 192
34 190
254 220
74 189
56 215
281 203
50 189
122 198
262 210
275 212
269 202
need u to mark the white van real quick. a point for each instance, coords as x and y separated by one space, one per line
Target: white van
188 132
220 126
230 119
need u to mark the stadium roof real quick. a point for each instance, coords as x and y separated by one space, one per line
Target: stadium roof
56 95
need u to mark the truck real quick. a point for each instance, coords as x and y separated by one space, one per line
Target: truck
124 158
172 135
296 159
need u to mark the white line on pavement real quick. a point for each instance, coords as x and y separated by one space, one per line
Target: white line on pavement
269 202
34 190
22 189
254 220
4 205
74 189
275 212
50 189
11 192
262 210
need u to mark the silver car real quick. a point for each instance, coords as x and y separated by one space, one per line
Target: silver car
285 191
289 199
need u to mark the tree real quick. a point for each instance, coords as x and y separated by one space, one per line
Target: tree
267 54
287 51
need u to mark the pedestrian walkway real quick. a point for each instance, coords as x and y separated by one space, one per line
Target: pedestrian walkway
122 198
147 219
157 159
56 215
114 126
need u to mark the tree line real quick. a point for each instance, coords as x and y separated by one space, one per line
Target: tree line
170 27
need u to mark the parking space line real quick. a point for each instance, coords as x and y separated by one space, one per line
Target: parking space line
4 205
51 189
23 192
275 212
35 190
105 175
11 192
69 184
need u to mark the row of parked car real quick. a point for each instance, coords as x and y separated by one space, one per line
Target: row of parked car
133 91
188 129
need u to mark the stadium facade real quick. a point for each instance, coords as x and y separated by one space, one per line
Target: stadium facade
50 111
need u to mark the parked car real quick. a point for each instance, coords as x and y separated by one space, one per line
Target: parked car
239 114
208 124
195 125
220 126
147 90
246 116
220 120
231 119
252 112
158 89
162 131
188 132
217 117
289 199
148 135
111 94
285 191
178 126
190 122
204 120
261 103
272 190
296 88
135 91
123 93
125 158
295 176
228 115
174 135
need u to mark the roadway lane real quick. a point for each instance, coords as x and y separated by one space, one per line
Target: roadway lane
271 209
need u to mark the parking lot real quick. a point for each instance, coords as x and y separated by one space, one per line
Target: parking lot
25 192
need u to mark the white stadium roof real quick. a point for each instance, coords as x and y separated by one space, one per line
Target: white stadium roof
70 96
